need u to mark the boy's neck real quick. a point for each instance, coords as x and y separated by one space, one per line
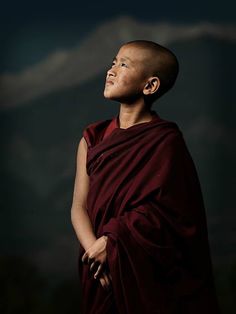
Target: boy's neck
130 115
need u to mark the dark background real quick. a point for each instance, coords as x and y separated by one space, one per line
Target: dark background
53 60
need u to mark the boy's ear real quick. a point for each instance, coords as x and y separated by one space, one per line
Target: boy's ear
152 85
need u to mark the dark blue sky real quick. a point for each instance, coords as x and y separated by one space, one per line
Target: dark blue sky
20 12
29 30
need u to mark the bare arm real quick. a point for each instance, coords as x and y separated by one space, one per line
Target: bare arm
79 216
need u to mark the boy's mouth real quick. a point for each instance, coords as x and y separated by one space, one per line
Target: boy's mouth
109 82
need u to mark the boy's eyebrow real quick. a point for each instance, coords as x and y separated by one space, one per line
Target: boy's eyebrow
123 59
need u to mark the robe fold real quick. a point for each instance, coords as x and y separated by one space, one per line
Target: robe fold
144 194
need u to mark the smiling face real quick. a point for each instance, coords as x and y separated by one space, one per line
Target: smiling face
127 76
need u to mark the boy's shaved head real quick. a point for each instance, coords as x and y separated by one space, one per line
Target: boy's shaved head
158 61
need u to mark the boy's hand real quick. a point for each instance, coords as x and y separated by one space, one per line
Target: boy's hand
96 255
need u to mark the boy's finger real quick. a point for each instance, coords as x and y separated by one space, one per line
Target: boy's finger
98 271
92 266
102 281
84 257
90 260
107 281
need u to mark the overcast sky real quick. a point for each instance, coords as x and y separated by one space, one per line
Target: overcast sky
30 30
26 11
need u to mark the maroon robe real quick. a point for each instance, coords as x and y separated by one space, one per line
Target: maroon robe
144 194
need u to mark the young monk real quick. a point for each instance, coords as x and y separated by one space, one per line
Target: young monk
137 207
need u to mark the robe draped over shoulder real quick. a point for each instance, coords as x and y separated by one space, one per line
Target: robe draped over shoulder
144 194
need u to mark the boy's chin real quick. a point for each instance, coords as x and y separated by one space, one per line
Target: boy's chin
109 96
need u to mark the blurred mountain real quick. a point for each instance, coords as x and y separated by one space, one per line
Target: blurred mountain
70 67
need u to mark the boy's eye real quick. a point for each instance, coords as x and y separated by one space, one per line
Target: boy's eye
121 64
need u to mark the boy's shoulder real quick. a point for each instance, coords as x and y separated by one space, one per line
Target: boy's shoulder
97 124
94 131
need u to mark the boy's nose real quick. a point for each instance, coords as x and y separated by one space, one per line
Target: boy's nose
111 72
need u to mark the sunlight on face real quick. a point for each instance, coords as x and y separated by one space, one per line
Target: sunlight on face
127 76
